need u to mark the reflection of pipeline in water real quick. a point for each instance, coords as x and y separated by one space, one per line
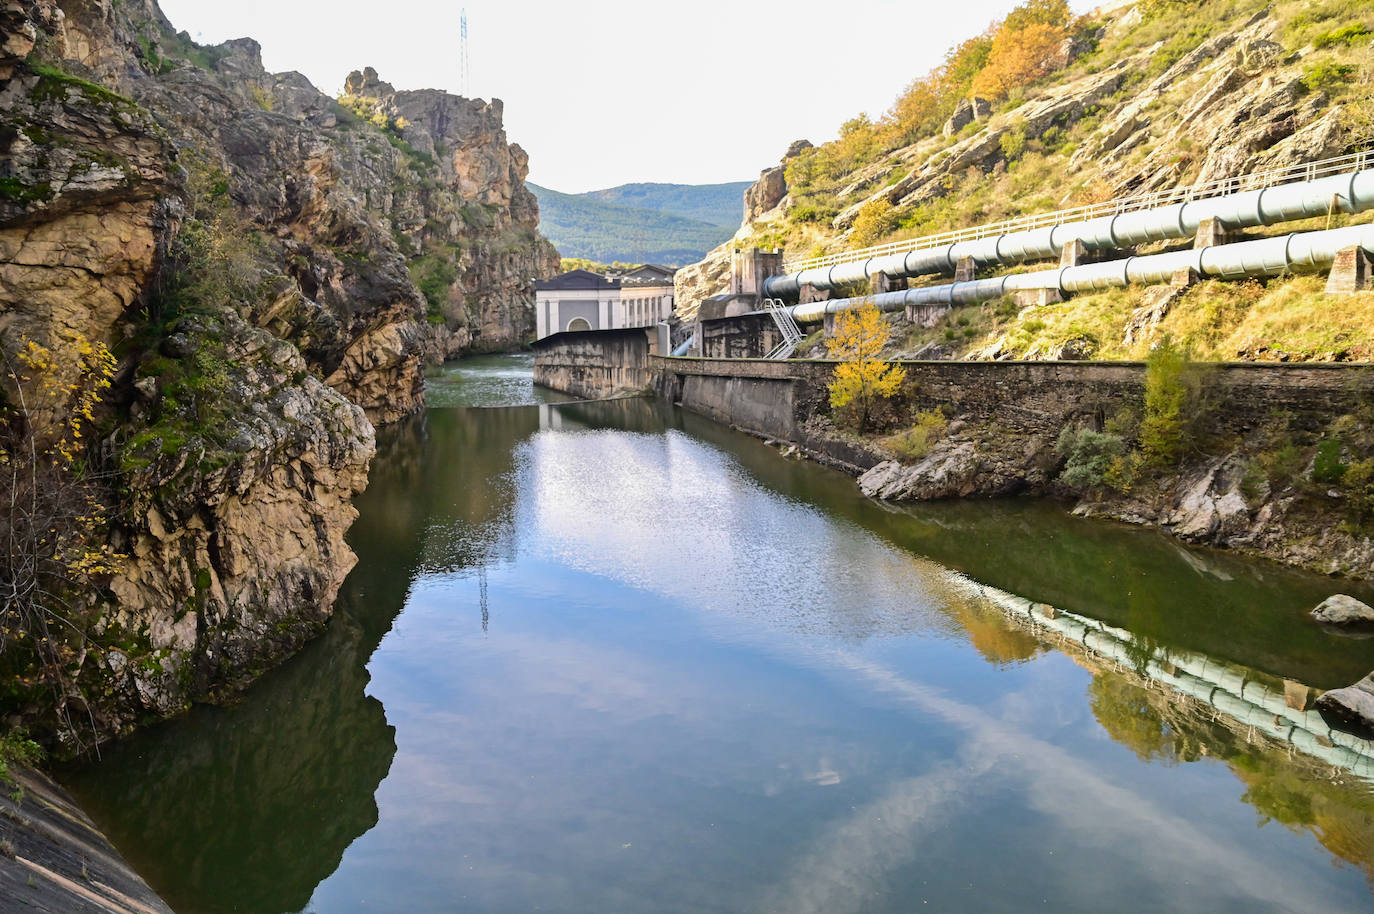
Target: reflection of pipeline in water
1232 690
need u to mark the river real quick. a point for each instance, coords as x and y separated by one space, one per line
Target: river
611 657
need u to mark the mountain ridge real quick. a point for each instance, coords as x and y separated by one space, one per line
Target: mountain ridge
643 222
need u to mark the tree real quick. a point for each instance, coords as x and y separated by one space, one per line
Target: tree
1019 57
862 379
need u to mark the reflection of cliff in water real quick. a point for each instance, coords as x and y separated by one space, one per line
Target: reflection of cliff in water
1297 771
255 802
248 808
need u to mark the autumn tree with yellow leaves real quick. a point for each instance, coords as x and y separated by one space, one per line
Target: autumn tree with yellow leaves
862 379
53 521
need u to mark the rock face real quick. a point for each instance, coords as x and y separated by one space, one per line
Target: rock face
273 268
1340 609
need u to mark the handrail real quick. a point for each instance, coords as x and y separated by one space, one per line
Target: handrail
1354 161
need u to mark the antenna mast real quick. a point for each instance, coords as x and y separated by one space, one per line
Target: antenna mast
464 75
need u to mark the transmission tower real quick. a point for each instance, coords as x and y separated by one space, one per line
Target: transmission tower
464 75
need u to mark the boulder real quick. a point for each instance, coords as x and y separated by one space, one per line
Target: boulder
1352 706
1341 609
765 193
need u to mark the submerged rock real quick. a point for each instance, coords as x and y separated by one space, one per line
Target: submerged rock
1341 609
1352 705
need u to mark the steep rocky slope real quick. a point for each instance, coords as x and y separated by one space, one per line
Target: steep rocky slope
270 267
1149 96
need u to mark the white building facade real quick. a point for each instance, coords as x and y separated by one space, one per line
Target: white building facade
582 300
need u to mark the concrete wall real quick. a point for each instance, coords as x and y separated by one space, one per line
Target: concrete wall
595 364
55 859
750 336
1024 397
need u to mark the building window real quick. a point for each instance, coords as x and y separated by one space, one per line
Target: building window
578 323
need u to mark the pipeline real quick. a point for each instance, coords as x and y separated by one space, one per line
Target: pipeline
682 350
1237 692
1242 259
1345 193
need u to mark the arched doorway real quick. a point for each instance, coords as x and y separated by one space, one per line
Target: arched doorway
578 323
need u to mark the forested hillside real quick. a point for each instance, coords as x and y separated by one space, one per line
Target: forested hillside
714 204
655 223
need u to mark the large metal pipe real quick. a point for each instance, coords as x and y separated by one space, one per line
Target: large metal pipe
1345 193
1266 257
1237 692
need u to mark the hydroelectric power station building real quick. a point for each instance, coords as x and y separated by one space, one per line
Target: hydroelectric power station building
582 300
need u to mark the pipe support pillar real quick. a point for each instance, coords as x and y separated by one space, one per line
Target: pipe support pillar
1351 271
1212 232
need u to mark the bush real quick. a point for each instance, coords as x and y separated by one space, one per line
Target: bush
1327 466
1359 485
1343 35
1326 74
1174 403
1089 456
875 219
916 442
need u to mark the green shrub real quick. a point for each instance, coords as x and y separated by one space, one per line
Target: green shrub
1088 456
1327 466
916 442
1359 485
1174 403
17 748
1282 465
1326 74
1013 143
1343 35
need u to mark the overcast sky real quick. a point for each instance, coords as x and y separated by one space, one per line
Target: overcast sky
605 92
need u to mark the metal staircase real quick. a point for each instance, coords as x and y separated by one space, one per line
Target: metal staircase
791 333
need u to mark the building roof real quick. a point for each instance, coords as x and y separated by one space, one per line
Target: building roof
577 279
649 274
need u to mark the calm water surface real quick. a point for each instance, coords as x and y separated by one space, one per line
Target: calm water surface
613 658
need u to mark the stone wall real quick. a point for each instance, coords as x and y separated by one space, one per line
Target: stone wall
1030 397
595 364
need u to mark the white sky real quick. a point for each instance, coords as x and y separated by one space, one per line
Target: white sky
605 92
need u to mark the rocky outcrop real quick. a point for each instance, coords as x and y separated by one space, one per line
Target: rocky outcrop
272 268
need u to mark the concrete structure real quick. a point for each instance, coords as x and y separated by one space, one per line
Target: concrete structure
581 300
1210 214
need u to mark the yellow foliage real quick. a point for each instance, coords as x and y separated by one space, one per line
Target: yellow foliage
1018 58
862 378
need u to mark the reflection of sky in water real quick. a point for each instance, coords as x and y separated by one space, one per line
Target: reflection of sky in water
700 530
678 707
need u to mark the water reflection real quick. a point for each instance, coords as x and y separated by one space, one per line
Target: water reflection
248 808
634 662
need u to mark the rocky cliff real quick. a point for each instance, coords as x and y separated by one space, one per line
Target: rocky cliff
271 268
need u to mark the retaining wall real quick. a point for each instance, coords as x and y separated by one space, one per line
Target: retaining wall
1038 398
596 364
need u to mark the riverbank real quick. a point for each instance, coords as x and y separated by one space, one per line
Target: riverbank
1250 483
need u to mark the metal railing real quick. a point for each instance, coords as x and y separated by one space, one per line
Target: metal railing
1355 161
